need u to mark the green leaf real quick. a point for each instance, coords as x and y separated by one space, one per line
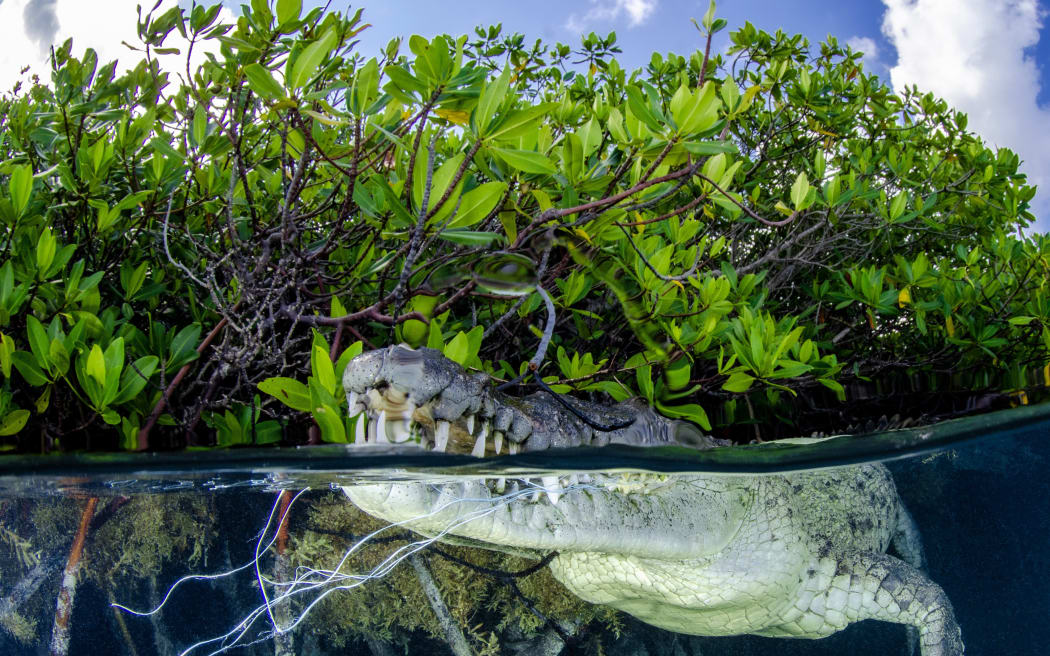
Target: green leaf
439 181
714 167
319 395
404 84
288 10
46 246
323 371
678 374
39 343
114 357
790 369
492 96
311 57
43 400
268 432
799 191
898 205
458 349
262 82
644 377
58 356
183 347
366 86
135 378
710 147
639 107
831 191
288 391
519 122
331 424
699 111
1021 321
708 20
199 127
526 161
7 349
691 411
738 382
470 238
13 422
96 365
833 386
21 188
27 366
477 203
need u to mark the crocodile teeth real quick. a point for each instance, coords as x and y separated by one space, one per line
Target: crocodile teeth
552 487
497 441
360 429
501 485
441 435
380 430
470 424
512 447
354 403
479 445
396 432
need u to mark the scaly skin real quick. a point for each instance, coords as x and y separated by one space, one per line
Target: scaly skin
797 555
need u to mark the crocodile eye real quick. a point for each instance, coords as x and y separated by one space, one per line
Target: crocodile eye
403 356
689 435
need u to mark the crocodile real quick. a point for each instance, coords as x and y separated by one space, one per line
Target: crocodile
801 554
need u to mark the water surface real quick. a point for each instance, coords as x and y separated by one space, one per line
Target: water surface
977 488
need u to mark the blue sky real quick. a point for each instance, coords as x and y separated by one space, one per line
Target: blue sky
666 28
989 58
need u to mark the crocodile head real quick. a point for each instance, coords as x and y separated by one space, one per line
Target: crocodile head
420 396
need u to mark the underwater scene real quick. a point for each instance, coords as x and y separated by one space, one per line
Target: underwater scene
395 549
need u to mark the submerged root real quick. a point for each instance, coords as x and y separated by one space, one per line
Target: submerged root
331 556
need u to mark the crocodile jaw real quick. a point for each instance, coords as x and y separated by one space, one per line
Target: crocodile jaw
409 396
693 516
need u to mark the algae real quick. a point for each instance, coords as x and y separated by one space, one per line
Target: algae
394 607
150 532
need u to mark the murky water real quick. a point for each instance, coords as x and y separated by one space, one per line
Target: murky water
134 526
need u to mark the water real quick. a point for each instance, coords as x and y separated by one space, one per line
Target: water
977 489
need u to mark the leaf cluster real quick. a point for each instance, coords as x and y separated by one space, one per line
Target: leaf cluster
764 226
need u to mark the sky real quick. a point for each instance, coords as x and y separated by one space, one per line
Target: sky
988 58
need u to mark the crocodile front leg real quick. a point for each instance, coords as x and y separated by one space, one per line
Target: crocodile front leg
859 586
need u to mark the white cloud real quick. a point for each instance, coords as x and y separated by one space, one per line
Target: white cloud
972 54
603 11
867 46
29 27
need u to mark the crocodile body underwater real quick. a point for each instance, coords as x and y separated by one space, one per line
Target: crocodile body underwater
795 555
